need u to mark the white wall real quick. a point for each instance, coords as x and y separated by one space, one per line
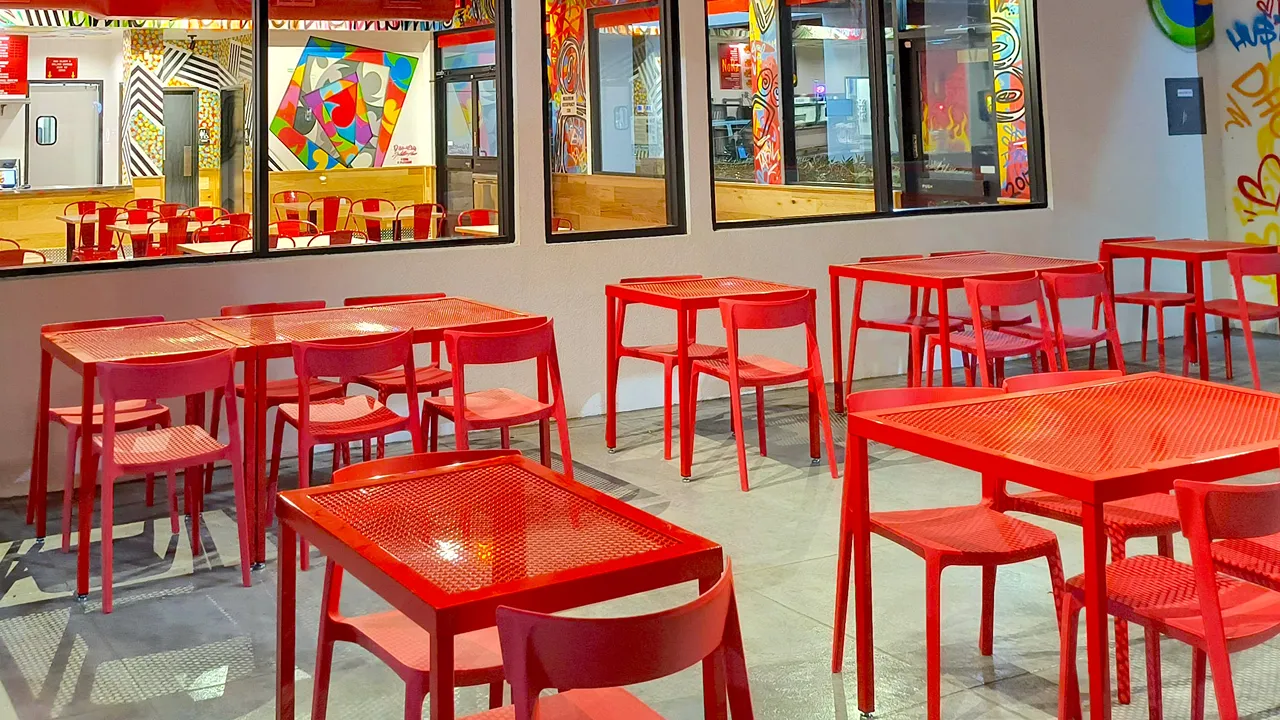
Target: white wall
1113 171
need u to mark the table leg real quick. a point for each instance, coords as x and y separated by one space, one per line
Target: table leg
286 623
441 692
687 413
1095 601
194 475
87 488
38 496
837 352
859 518
1192 349
944 336
259 460
611 373
1202 334
714 689
253 513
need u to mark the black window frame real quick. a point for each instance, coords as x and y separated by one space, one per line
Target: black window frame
673 113
879 31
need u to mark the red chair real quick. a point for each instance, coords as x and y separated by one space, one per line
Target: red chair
990 348
512 342
373 227
141 241
277 392
333 211
1213 613
293 228
995 322
168 210
272 243
244 220
426 220
1090 284
914 324
1243 265
973 536
144 204
773 311
101 245
168 448
167 233
18 258
205 213
13 243
331 238
289 196
583 658
1154 515
1148 299
665 354
80 209
390 636
343 420
221 233
561 224
430 378
129 416
478 216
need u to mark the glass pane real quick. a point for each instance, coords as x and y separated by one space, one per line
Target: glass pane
46 130
487 97
469 55
459 131
630 90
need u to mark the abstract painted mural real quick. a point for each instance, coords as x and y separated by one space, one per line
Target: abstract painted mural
766 103
1010 98
342 104
1188 23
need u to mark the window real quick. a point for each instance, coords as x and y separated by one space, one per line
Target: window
46 130
613 141
847 107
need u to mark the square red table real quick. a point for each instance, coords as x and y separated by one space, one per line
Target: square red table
940 274
448 546
1195 253
81 351
686 297
1095 443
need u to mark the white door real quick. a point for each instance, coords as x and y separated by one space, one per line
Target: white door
64 135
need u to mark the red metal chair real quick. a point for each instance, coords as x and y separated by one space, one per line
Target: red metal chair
511 342
167 233
1213 613
289 196
12 243
995 322
343 420
973 536
81 209
168 448
390 636
478 216
168 210
18 258
277 392
293 228
773 311
1148 299
144 204
373 227
990 348
561 224
141 242
430 378
583 659
331 238
1089 284
1243 265
915 324
242 219
221 233
426 220
666 355
131 415
100 243
333 212
205 213
1154 515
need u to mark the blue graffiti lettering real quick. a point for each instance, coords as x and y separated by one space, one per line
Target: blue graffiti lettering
1261 32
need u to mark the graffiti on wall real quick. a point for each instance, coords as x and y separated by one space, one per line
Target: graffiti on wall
1010 98
766 102
1188 23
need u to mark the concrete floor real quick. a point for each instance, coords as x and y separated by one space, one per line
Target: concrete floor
187 641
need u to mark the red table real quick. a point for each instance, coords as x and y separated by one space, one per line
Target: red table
448 546
686 297
1095 443
939 274
1195 253
81 351
268 336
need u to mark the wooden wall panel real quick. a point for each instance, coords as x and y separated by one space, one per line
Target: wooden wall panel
401 184
748 201
31 217
609 202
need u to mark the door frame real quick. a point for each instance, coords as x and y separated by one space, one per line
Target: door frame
195 138
26 144
491 165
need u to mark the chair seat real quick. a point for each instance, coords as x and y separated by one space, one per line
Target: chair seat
354 417
664 353
754 370
1073 337
604 704
130 414
1000 344
974 534
498 407
1003 322
1160 592
400 641
286 390
1230 308
391 382
164 448
1256 560
1151 515
1154 298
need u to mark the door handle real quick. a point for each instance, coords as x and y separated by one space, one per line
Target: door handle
186 161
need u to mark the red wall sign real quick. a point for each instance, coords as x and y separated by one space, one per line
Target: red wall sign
730 67
61 68
13 65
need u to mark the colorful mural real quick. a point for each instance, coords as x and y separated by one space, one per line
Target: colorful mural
1188 23
766 103
342 104
1010 98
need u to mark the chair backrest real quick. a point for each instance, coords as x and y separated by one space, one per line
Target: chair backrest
7 241
168 210
380 299
478 216
18 257
104 215
1218 511
549 651
768 311
1253 264
291 196
161 377
1089 281
82 207
561 224
1037 381
276 307
292 228
144 204
205 213
1024 290
137 216
172 231
374 204
338 237
332 209
352 357
402 464
241 219
426 219
222 233
101 323
511 342
872 400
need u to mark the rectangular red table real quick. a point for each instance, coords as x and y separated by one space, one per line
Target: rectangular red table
448 546
686 297
1095 443
81 351
939 274
268 336
1195 253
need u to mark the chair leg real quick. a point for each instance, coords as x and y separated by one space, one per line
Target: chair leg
150 481
1253 356
1155 693
1124 691
735 402
366 449
1223 686
1199 661
495 694
304 480
415 694
171 481
1188 342
986 631
667 369
930 346
505 433
68 487
1159 339
1068 680
277 441
382 439
108 522
1146 315
324 651
764 449
214 421
1164 545
933 638
1226 348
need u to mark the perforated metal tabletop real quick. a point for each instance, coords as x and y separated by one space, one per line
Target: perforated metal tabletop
695 293
952 267
135 341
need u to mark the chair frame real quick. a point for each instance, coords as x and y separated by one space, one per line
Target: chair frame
435 227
